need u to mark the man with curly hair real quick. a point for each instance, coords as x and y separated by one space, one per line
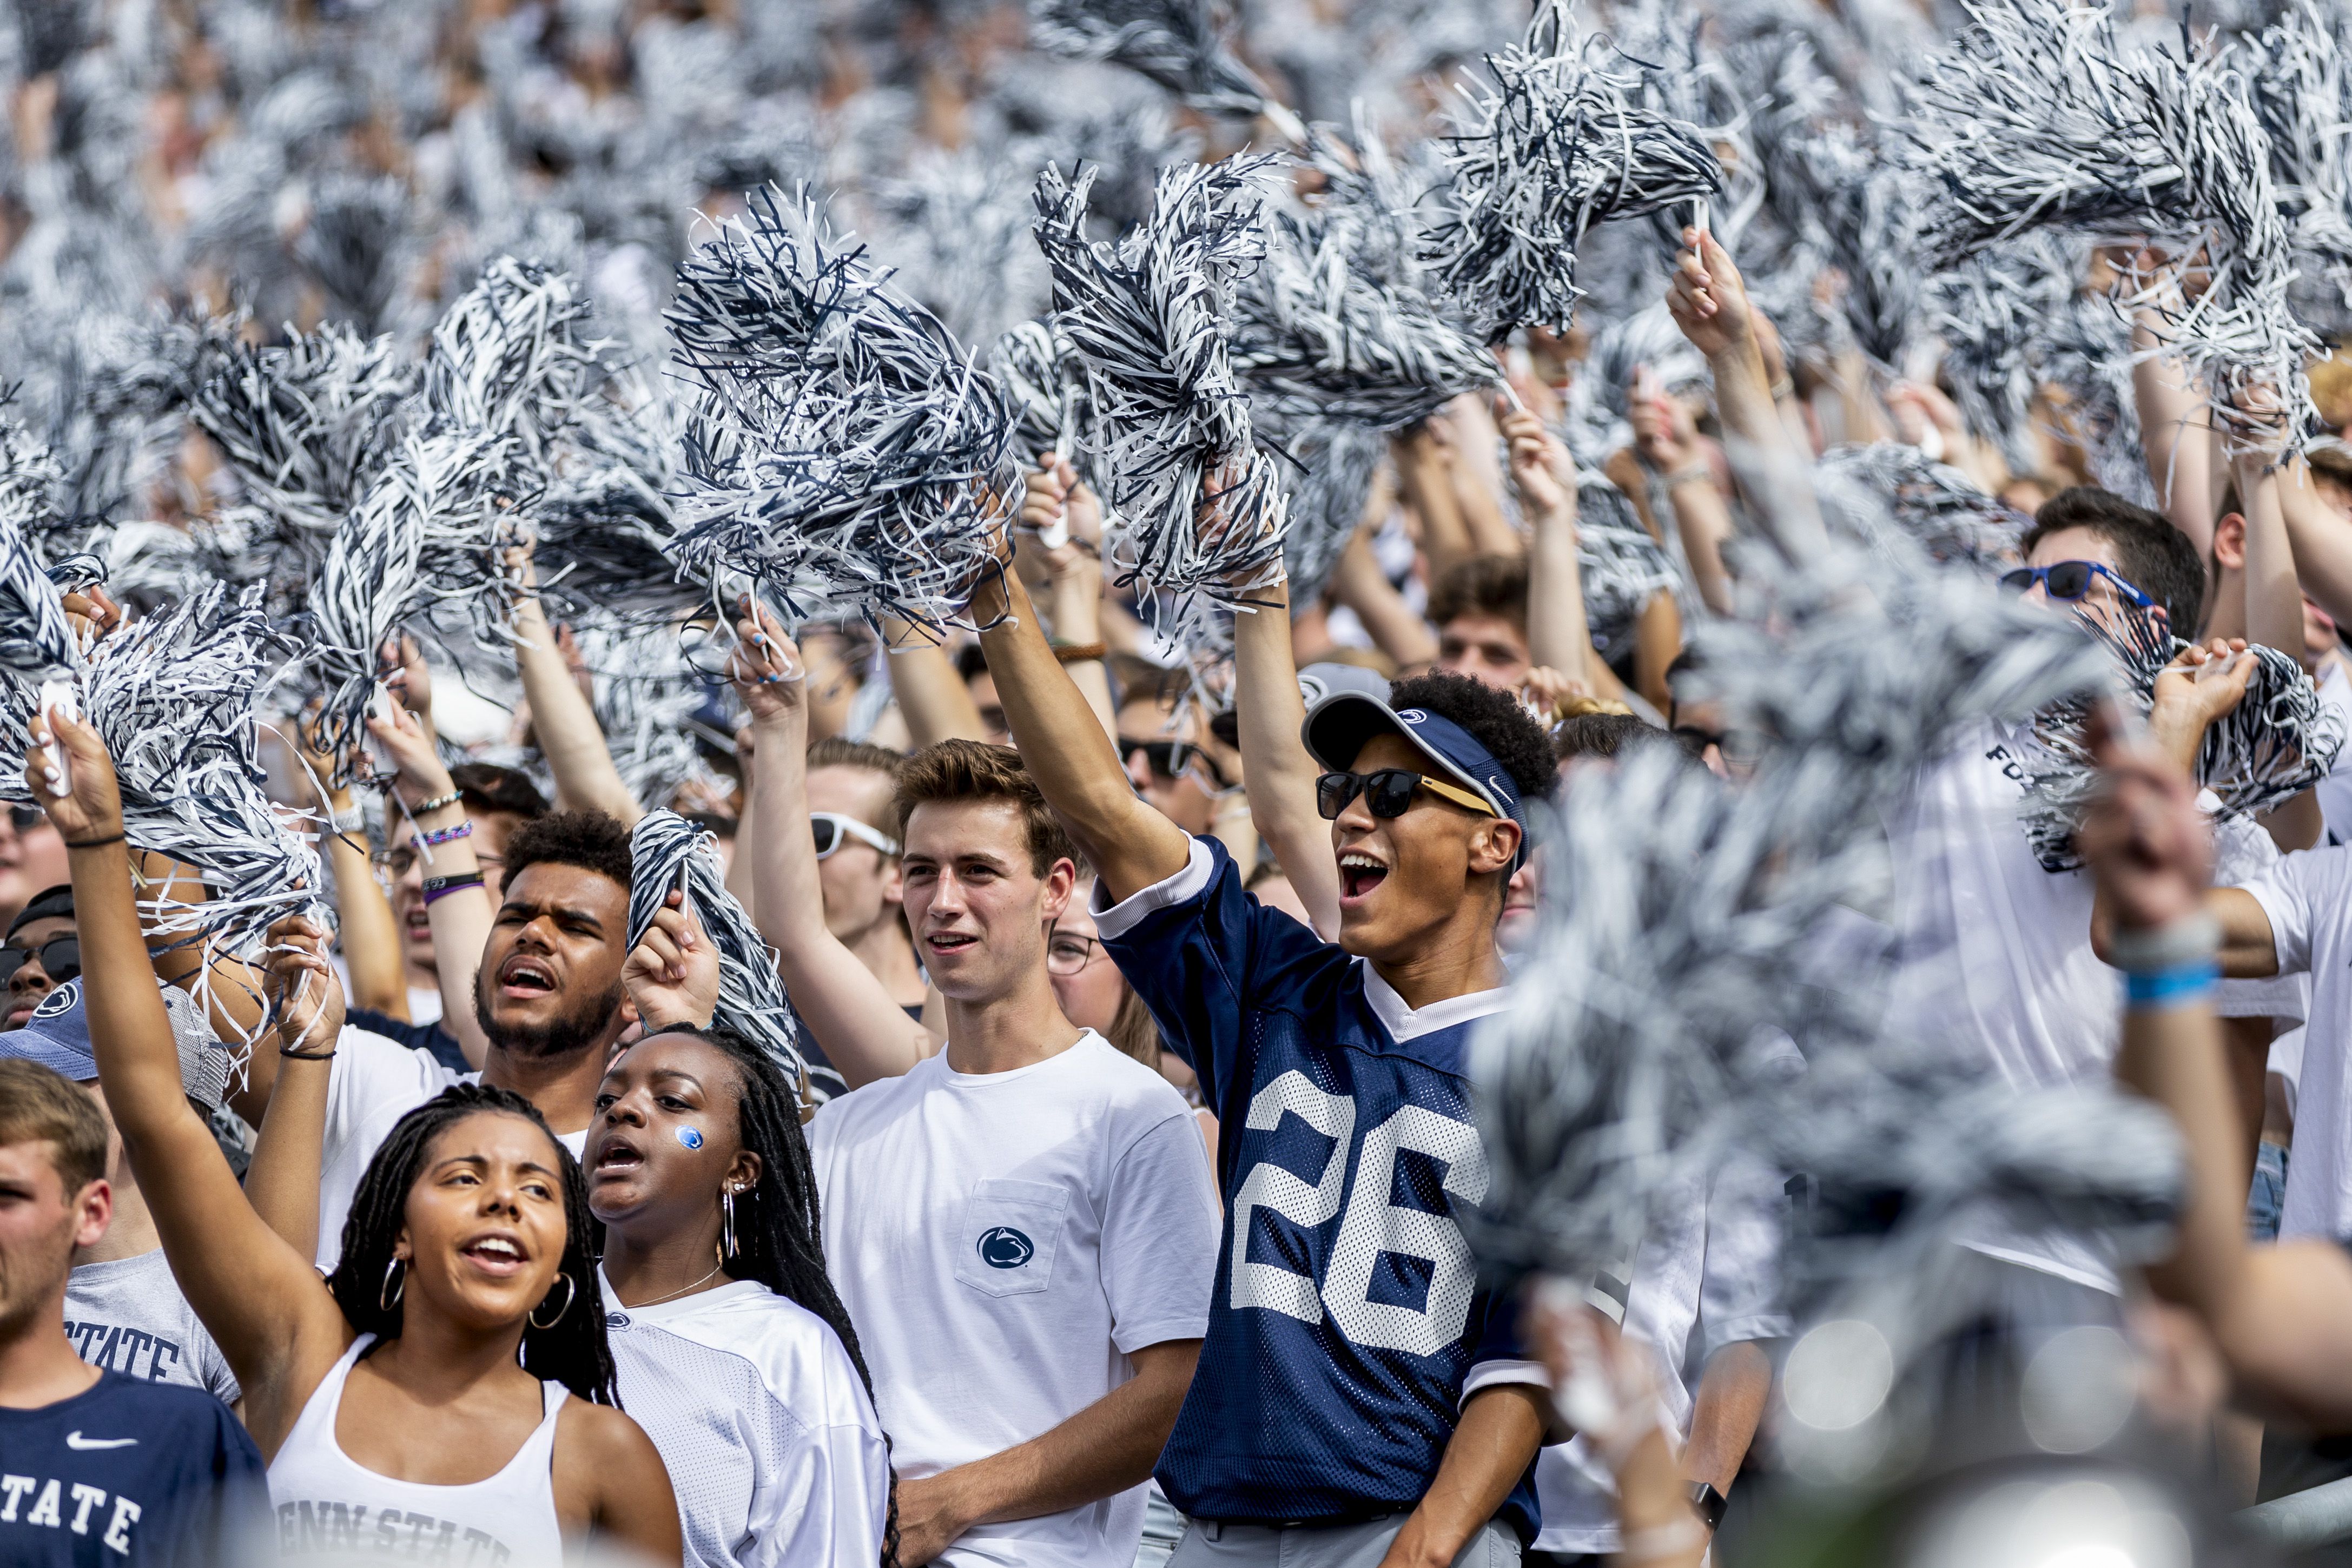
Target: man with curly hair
1358 1400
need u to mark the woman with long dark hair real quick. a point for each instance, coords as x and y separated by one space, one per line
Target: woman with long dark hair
734 1349
449 1394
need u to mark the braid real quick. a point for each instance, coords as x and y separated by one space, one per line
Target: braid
573 1351
778 1242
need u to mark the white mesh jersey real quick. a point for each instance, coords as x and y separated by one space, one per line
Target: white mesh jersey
771 1443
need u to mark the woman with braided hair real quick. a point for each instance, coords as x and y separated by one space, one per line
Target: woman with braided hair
732 1347
450 1391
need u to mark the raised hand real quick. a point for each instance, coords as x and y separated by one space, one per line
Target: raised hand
85 804
672 975
2202 683
1536 458
2145 842
765 666
1707 297
419 773
407 676
304 994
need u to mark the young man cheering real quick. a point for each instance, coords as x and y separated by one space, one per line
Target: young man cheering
1021 1226
1357 1401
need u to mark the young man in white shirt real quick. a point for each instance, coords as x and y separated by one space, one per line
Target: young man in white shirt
1022 1226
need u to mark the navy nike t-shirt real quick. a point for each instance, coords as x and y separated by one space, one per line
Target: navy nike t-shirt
129 1472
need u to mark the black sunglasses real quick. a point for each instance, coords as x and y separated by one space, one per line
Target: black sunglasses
1388 792
24 819
60 957
1168 759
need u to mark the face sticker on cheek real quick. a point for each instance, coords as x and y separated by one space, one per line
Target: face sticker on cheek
690 1136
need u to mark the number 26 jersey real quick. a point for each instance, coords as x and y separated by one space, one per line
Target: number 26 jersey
1345 1327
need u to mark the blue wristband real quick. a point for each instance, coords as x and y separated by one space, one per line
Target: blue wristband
2179 985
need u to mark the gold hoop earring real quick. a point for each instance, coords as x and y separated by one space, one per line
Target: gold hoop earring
570 1290
387 1295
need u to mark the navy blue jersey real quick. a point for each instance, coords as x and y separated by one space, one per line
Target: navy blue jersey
129 1472
1345 1317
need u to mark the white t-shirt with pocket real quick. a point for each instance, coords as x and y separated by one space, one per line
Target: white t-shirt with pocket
1003 1241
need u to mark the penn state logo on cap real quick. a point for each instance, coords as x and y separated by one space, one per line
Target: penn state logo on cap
1001 1247
1412 715
60 1000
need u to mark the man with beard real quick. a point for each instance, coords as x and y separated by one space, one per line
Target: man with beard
549 998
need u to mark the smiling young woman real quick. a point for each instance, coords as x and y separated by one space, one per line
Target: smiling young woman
451 1383
732 1348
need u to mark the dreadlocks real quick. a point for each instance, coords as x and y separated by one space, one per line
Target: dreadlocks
573 1351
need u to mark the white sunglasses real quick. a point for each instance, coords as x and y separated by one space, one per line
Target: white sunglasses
832 827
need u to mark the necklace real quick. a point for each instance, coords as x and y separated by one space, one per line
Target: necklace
658 1300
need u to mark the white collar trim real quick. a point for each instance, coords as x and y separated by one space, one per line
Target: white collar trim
1403 1023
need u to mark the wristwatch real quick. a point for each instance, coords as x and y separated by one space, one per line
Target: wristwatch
1708 1505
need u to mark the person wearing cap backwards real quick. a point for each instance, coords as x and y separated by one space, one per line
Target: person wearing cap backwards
40 954
124 1312
1358 1400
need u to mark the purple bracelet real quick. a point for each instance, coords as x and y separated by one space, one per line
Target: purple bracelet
442 835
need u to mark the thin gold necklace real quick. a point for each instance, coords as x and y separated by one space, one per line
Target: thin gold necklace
658 1300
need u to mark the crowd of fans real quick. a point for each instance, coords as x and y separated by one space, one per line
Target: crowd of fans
1114 1215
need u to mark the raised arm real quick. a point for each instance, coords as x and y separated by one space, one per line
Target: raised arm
371 939
2176 432
1279 774
459 912
1358 583
569 736
933 699
258 1296
1667 441
2322 538
1560 637
1074 568
1709 302
282 1182
862 1029
2281 1316
1063 745
1477 471
1424 469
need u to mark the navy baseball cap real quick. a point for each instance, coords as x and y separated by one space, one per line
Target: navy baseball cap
1338 728
58 1037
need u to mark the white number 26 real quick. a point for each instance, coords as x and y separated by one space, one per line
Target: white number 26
1372 1225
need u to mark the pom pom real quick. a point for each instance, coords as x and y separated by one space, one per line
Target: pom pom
1620 565
1887 490
1171 42
844 453
1149 318
1562 141
667 853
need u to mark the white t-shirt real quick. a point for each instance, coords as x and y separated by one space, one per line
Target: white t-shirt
1003 1241
1994 954
2335 791
771 1445
2308 898
128 1315
1705 1276
371 1084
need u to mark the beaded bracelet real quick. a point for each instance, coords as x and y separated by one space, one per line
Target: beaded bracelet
426 808
463 829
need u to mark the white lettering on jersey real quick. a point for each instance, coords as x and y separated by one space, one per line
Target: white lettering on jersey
1268 1186
1373 1225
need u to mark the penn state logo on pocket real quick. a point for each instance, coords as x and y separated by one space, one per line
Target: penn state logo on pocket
1001 1247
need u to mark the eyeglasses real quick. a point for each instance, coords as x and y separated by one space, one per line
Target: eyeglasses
2067 581
1168 759
830 827
1067 953
1388 792
60 957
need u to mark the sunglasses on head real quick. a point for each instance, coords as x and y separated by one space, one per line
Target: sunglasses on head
60 957
2067 581
1387 793
833 829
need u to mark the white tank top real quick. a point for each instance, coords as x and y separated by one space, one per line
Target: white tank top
327 1506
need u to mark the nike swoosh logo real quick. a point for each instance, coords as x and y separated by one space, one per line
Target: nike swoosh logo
76 1440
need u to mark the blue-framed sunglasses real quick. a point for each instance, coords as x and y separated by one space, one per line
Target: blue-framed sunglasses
2067 581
